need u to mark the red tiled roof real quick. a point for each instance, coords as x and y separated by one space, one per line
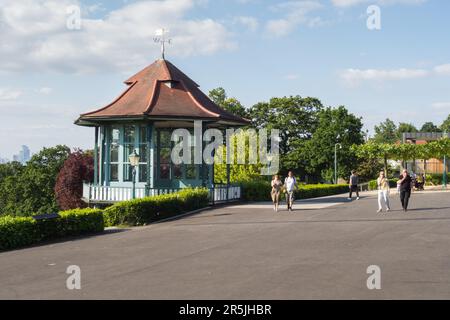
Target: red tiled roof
162 90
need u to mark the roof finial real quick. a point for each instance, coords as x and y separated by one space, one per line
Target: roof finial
161 38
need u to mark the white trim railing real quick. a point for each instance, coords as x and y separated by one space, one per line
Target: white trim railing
107 194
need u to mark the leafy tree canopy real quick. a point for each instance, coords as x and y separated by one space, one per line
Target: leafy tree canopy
232 105
386 132
430 127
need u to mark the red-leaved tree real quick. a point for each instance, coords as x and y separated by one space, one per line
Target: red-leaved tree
78 167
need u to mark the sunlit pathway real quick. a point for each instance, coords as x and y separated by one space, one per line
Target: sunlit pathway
320 250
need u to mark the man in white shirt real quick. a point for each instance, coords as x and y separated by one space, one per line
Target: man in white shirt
290 183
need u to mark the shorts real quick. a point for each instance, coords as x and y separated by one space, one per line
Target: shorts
275 196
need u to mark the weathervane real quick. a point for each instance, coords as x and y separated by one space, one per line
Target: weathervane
160 37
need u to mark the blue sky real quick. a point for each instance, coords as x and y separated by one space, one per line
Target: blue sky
255 49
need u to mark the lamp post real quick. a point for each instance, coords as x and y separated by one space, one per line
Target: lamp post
335 161
134 162
444 174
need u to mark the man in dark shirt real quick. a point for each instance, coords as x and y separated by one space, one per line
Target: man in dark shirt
405 189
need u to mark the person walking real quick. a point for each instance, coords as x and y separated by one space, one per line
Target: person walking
276 190
353 185
383 192
289 184
405 189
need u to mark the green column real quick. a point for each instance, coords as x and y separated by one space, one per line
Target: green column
96 157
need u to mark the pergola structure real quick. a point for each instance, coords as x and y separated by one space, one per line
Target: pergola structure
158 99
430 165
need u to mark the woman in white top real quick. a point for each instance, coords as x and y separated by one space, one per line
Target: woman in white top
383 192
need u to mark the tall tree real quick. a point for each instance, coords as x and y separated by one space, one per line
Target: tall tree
78 167
297 120
233 105
31 191
445 126
430 127
335 125
386 132
405 127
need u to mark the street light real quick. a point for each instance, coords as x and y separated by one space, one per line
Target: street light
134 162
335 161
444 174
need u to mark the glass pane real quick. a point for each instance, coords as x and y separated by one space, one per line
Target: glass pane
128 134
164 171
143 136
142 173
143 152
164 156
191 172
114 172
127 172
114 153
177 171
164 139
127 150
114 135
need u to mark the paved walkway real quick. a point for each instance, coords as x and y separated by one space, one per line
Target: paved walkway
321 250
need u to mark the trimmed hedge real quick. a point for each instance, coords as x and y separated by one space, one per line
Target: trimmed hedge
260 190
434 179
17 232
142 211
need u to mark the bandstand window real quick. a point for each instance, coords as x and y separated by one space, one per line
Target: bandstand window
164 150
169 170
129 141
143 153
114 140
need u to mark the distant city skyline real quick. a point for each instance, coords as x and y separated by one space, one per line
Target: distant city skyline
23 156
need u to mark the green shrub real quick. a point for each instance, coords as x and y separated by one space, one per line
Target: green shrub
150 209
260 190
18 231
80 221
434 179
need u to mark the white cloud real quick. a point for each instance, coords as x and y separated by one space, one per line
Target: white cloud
443 69
349 3
35 36
441 106
250 23
354 77
7 94
295 13
291 77
45 90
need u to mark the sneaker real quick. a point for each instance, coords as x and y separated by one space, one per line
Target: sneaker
357 198
379 210
349 198
388 209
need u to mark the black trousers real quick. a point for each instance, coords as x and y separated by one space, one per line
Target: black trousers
353 189
404 198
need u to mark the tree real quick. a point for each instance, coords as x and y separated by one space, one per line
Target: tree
232 105
78 167
429 127
238 172
386 132
445 126
31 191
374 150
335 125
405 127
